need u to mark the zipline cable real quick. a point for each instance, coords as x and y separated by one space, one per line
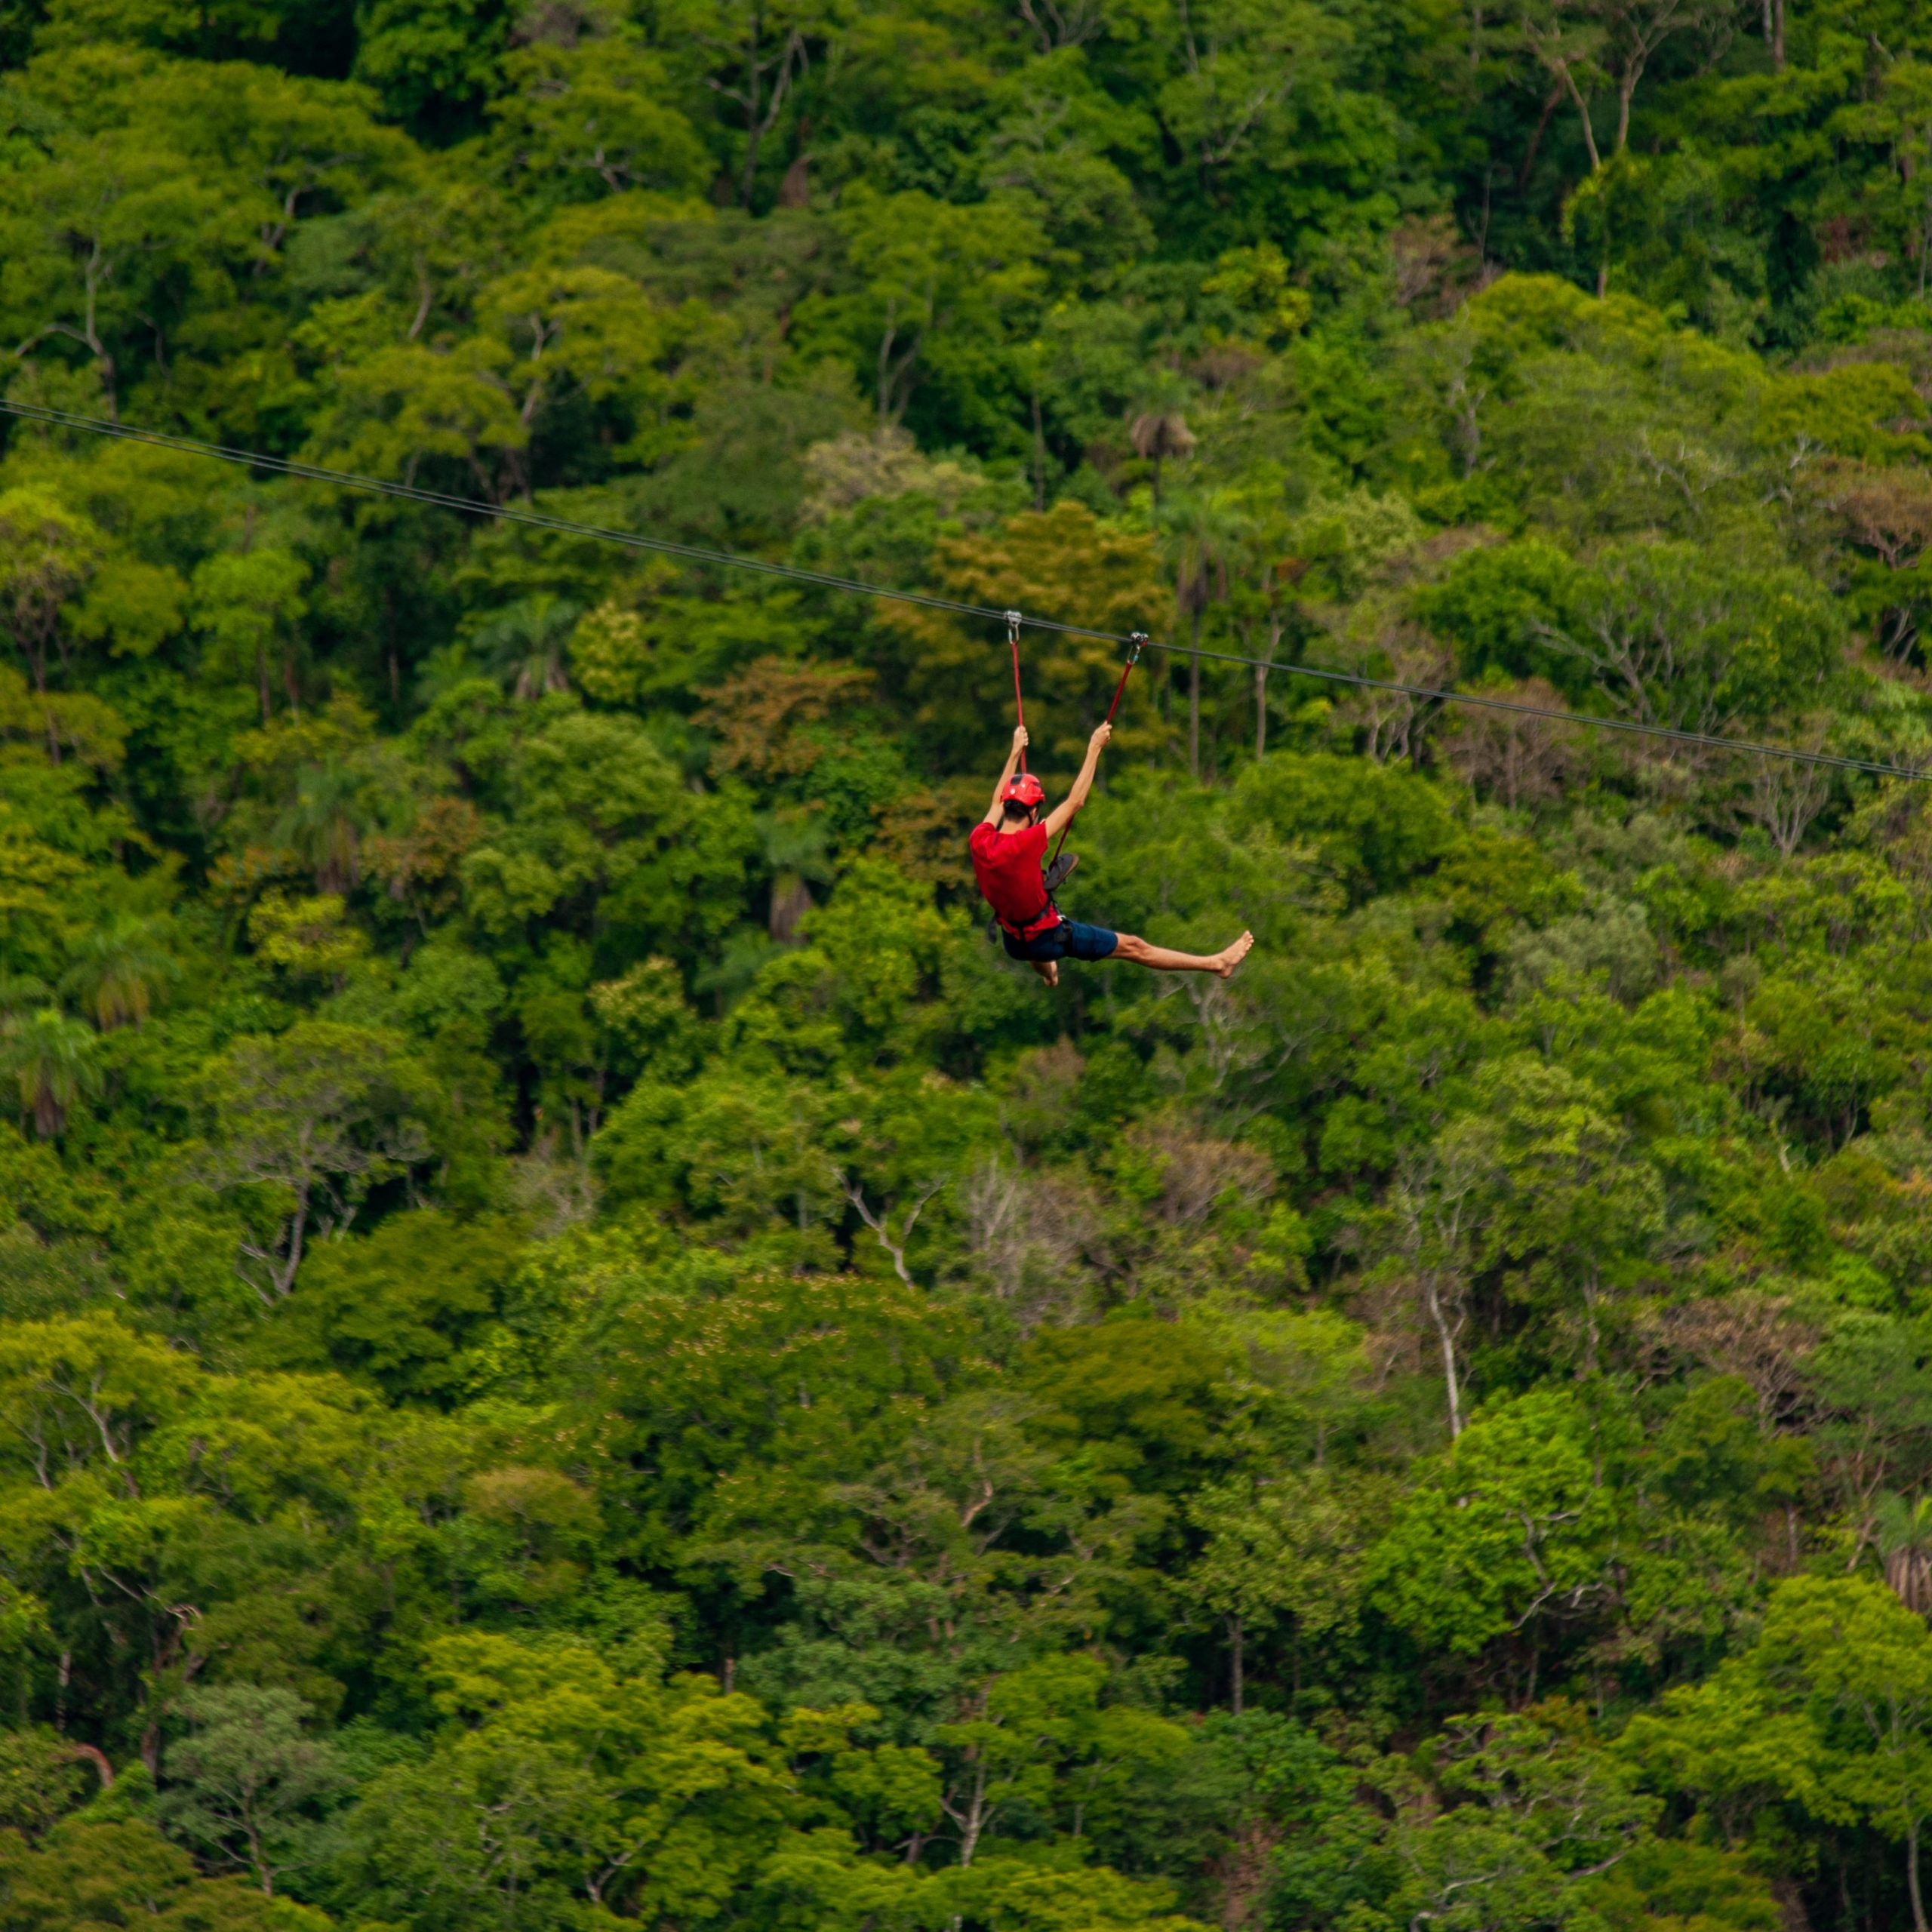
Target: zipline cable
1014 621
826 580
511 513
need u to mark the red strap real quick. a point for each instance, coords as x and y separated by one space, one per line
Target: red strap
1120 687
1044 920
1134 643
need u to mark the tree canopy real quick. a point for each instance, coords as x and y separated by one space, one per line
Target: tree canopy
577 1349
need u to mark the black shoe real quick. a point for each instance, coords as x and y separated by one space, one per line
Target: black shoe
1057 874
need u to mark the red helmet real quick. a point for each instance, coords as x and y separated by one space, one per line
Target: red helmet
1022 789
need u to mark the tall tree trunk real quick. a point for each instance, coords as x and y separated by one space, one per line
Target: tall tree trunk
1625 94
1912 1878
1583 114
974 1822
1235 1635
1452 1386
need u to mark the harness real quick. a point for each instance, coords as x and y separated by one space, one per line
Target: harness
1048 916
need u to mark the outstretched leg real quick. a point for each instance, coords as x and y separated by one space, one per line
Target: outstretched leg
1163 961
1047 969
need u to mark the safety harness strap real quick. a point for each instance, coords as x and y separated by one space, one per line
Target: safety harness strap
1134 642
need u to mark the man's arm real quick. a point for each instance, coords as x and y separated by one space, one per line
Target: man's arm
1062 814
994 810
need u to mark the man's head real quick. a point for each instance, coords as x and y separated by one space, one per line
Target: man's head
1020 800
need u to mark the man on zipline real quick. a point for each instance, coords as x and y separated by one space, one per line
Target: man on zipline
1007 846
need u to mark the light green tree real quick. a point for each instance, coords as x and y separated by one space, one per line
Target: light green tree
1513 1818
1858 1663
1042 1738
1515 1532
243 1786
927 271
247 604
95 236
48 553
593 119
1293 1551
306 1123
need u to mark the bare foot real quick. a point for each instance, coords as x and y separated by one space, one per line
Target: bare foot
1229 957
1047 969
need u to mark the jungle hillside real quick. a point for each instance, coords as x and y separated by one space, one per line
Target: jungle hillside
579 1350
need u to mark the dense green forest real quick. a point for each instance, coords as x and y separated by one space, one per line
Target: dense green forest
578 1349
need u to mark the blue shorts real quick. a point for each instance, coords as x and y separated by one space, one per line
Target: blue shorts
1069 940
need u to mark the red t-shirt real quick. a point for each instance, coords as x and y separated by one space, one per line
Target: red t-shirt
1006 864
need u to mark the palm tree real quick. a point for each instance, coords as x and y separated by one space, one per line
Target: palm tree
525 644
1159 432
795 848
744 955
118 970
55 1061
20 990
320 825
1905 1543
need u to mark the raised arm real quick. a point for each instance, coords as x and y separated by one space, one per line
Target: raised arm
1006 771
1062 814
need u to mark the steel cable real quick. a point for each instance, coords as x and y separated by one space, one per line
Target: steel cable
827 581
